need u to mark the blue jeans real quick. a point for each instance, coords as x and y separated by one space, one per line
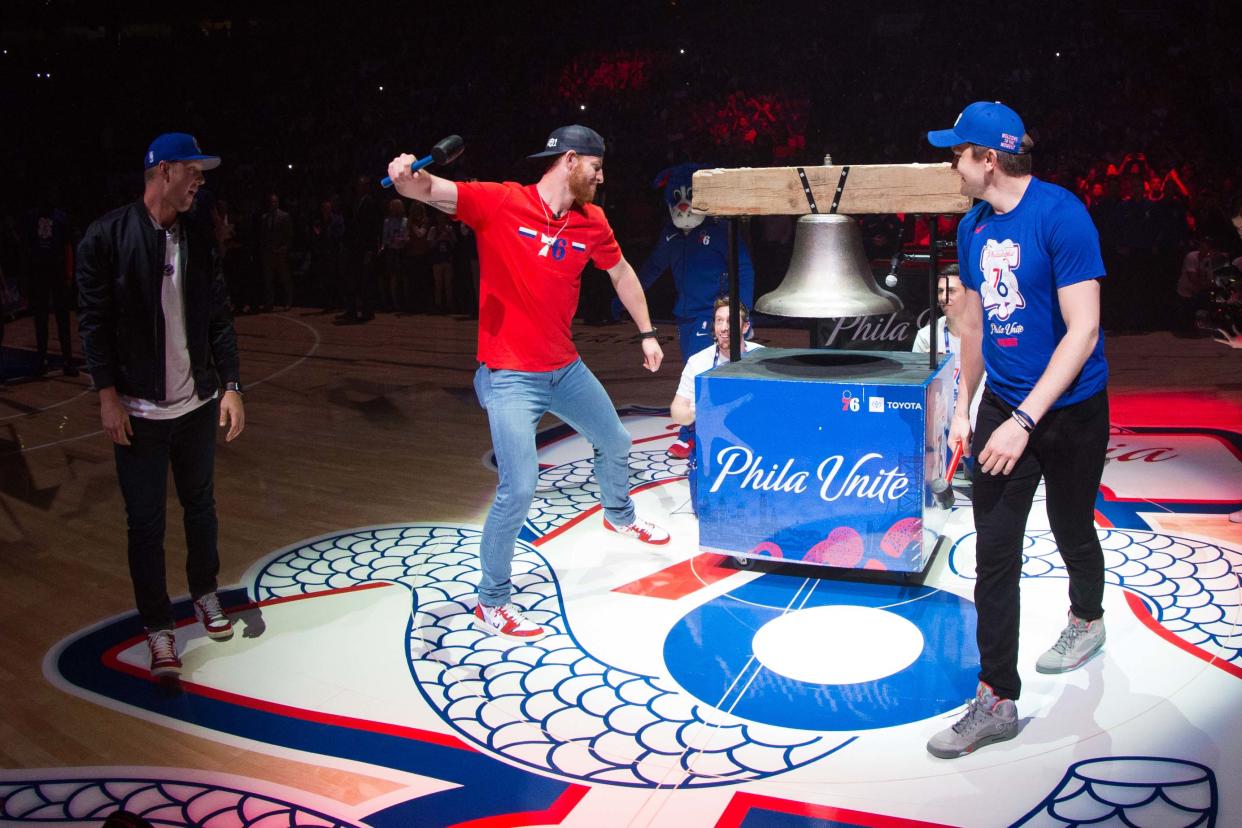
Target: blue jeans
515 402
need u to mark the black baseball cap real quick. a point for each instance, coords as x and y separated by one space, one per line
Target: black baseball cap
582 140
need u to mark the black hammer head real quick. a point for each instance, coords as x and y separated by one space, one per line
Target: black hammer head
447 150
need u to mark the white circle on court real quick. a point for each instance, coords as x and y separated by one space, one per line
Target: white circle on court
838 645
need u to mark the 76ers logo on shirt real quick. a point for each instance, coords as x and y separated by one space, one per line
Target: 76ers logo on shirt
999 262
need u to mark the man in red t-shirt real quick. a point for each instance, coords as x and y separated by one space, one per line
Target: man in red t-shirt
534 242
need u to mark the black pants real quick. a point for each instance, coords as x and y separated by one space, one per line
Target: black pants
1067 449
276 268
188 443
48 287
358 285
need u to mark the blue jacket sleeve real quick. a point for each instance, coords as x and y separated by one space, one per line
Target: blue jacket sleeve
655 266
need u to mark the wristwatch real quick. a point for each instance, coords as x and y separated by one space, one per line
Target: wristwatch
651 334
234 386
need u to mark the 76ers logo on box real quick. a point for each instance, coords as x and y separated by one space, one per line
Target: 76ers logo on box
999 262
849 402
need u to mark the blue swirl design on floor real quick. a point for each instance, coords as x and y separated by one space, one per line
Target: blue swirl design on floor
159 801
549 705
1191 587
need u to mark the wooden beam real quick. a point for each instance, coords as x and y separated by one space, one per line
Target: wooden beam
869 188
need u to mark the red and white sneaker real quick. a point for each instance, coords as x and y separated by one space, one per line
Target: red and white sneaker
507 621
162 645
681 449
640 530
214 621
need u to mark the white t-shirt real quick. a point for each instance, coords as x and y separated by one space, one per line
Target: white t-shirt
180 398
949 344
704 360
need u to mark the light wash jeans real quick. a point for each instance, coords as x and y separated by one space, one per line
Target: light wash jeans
515 401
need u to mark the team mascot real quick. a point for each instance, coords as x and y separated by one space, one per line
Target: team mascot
696 249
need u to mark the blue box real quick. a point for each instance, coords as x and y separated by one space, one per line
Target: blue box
823 457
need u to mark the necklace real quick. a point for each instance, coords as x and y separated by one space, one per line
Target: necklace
547 240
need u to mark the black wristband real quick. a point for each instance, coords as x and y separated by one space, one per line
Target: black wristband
236 387
651 334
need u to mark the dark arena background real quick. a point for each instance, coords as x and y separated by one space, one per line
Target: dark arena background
682 689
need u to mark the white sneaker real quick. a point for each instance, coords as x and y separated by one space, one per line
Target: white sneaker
507 621
640 530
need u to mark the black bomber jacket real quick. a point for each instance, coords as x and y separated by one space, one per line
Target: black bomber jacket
119 272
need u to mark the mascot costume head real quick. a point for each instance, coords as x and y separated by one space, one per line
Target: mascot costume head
676 183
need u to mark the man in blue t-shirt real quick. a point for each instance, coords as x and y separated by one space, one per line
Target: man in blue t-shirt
1030 261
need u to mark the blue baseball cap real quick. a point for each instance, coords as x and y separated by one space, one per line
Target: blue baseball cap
986 123
580 139
177 146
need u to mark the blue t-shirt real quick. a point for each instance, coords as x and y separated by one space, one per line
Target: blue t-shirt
1017 261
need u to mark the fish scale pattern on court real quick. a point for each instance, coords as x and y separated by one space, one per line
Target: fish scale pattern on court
568 490
159 801
550 704
1191 586
1132 791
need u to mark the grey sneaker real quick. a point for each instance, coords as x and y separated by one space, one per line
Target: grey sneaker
1078 642
987 719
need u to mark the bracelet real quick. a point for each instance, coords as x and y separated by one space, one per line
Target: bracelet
651 334
1024 420
235 387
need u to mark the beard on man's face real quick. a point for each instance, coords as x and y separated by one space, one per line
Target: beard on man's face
582 188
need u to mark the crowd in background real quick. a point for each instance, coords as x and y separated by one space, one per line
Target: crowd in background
1134 110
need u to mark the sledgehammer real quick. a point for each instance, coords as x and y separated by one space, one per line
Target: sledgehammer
942 487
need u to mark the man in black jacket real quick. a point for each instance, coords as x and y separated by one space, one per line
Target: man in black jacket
159 341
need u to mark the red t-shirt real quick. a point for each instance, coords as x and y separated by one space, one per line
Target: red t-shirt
527 301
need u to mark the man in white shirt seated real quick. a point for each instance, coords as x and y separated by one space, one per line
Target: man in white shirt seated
682 408
949 296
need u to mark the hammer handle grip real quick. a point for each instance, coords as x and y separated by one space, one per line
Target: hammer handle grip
957 458
415 167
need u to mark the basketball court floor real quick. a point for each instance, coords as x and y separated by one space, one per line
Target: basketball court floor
678 690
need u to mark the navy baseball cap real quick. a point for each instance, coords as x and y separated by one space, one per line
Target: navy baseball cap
986 123
580 139
177 146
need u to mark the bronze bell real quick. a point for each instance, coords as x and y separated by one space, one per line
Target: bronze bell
828 276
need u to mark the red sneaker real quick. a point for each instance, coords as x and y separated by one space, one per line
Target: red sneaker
640 530
681 449
215 622
507 621
163 647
